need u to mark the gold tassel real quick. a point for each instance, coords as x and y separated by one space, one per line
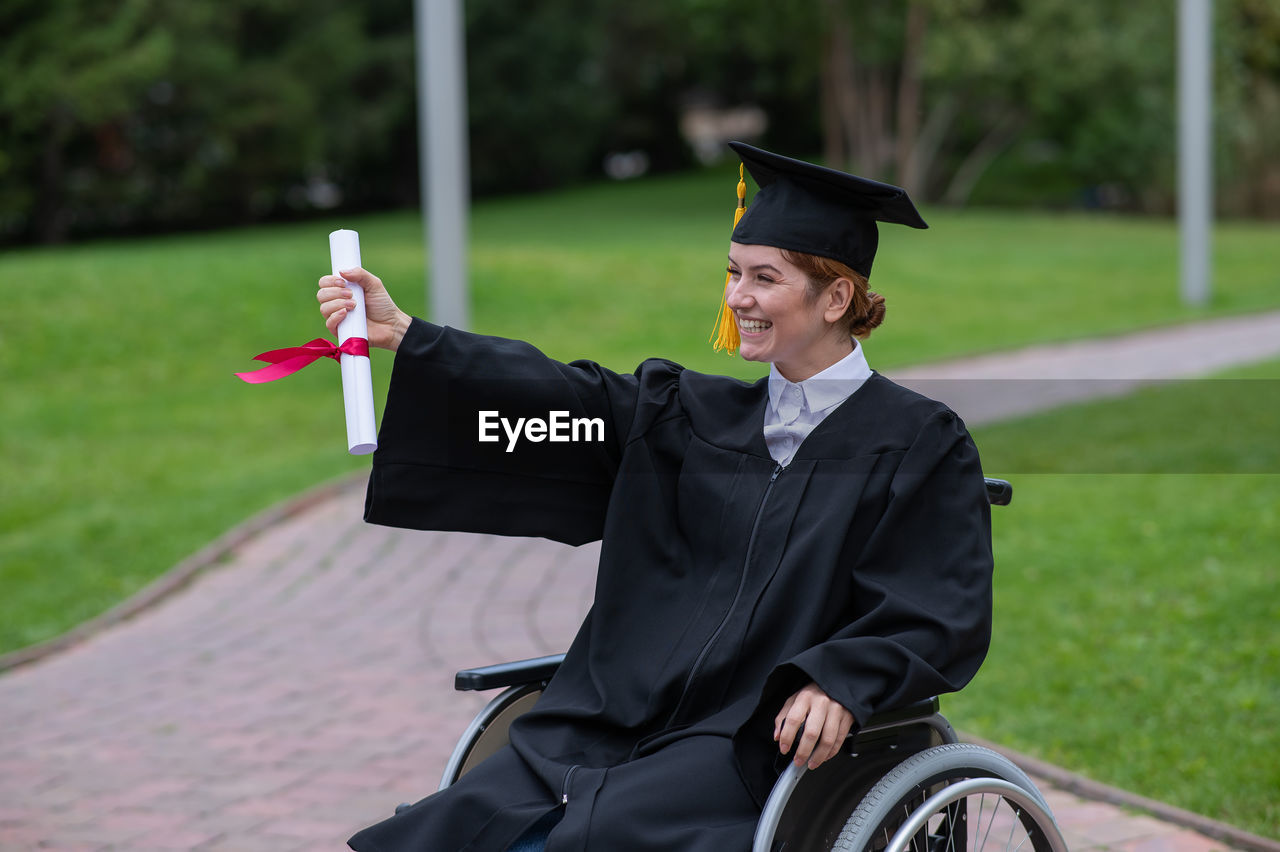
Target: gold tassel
725 335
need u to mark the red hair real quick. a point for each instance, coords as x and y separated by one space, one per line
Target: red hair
866 309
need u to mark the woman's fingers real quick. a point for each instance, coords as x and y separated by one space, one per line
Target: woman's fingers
835 728
331 293
335 303
782 717
815 724
791 719
363 277
809 736
335 299
332 321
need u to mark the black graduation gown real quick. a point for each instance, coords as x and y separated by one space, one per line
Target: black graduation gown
725 583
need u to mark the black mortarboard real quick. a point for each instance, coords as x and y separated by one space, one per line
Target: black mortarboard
816 210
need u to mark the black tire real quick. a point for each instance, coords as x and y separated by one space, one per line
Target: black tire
897 795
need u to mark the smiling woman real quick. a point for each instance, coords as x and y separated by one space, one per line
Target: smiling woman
780 559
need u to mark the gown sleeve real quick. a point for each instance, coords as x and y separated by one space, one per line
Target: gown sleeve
446 461
921 611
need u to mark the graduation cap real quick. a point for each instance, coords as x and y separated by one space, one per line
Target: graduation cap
814 210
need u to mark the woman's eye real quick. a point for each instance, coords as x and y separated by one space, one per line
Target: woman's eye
733 273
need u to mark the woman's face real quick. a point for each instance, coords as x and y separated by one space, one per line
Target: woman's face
777 318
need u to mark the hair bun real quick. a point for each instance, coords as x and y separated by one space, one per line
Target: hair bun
860 328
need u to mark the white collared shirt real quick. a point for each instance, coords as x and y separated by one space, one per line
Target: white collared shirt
796 409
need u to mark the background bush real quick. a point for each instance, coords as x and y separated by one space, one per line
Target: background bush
145 115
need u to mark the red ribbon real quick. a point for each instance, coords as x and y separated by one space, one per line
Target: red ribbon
285 362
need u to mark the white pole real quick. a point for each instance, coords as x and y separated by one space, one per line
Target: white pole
442 149
1195 147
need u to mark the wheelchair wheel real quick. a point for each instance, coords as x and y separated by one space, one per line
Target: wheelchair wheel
1007 813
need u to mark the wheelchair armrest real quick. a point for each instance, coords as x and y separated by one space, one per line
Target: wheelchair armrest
999 492
918 710
507 674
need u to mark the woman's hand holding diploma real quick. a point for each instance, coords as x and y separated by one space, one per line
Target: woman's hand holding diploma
345 315
387 323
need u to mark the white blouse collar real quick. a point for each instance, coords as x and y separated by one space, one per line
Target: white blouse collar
828 388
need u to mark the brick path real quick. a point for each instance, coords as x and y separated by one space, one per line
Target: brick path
285 698
299 690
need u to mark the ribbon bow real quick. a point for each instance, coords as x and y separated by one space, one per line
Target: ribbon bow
285 362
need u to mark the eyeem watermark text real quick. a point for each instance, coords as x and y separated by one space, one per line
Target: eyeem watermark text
559 427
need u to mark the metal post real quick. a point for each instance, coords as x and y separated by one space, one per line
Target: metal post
442 150
1195 147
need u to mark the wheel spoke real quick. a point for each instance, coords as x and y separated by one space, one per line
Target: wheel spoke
907 808
1013 826
953 812
1026 835
981 807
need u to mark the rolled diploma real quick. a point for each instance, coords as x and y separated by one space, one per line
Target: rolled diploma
357 378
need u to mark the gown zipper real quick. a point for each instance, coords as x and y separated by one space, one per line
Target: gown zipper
568 777
742 583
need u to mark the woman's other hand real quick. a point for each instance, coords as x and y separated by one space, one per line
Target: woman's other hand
387 323
825 725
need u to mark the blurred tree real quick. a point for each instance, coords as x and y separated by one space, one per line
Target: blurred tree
72 72
538 100
931 92
1249 106
555 88
153 114
1090 82
150 114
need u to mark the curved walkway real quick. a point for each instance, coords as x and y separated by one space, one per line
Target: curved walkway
301 685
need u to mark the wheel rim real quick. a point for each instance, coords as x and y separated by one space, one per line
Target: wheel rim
976 815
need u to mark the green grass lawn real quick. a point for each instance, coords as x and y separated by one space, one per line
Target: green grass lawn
128 444
1136 601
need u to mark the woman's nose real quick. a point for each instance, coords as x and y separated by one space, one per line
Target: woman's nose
735 296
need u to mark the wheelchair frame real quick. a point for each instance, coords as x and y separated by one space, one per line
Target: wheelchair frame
905 772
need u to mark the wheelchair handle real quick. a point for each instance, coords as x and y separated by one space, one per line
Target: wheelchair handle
999 492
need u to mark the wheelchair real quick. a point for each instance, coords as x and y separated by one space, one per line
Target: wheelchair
901 782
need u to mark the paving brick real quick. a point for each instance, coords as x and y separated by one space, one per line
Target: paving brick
316 829
260 843
1180 841
183 839
1118 827
135 822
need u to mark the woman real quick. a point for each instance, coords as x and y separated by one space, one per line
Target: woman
779 559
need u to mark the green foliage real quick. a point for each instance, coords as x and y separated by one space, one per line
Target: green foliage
1095 85
147 115
1248 104
539 102
152 114
549 99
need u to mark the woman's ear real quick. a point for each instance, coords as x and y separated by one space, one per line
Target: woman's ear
839 296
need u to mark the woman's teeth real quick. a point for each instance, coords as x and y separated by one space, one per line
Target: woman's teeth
754 326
